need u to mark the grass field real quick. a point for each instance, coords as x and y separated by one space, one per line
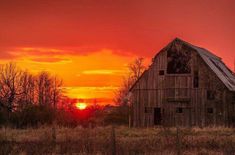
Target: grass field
120 140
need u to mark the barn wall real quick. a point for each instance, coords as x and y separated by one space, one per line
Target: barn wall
175 94
210 83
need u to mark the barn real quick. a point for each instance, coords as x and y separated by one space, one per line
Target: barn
185 85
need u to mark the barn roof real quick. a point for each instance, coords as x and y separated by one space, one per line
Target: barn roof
214 62
217 66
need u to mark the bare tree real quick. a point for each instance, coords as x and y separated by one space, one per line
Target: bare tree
48 89
136 68
19 90
43 88
10 88
56 90
27 83
121 93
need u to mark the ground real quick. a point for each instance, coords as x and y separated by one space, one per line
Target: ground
119 140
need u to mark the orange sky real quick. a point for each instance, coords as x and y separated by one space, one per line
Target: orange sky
89 43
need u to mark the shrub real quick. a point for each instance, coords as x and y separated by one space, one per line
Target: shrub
117 116
3 117
32 116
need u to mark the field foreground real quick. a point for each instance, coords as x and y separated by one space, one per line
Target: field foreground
118 140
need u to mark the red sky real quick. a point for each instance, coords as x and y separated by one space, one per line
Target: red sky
90 42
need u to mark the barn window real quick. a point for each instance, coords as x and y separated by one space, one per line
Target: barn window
148 110
195 80
178 60
179 110
210 110
161 72
233 99
210 95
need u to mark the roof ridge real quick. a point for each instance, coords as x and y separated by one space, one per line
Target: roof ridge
207 52
220 69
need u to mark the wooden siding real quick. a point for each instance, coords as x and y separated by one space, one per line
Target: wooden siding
174 91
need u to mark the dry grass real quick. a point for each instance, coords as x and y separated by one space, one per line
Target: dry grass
127 141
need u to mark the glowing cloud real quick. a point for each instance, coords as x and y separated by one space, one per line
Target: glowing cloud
103 72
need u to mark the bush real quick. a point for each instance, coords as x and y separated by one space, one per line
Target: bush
32 116
3 117
35 115
117 116
66 118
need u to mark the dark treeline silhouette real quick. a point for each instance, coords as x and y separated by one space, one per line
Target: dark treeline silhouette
28 100
25 97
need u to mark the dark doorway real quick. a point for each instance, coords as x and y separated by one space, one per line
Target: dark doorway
157 116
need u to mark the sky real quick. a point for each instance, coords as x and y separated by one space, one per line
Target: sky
89 43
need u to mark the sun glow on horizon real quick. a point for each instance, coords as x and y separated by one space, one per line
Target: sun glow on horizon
81 105
95 75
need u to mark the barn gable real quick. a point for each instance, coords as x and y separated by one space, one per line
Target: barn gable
185 85
217 66
214 62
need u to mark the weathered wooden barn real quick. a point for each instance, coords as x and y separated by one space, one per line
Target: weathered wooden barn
185 85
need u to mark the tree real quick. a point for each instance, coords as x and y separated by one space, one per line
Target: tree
27 83
57 91
43 84
48 89
121 95
21 93
136 68
10 85
121 99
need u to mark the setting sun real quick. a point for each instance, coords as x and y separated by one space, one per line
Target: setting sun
81 106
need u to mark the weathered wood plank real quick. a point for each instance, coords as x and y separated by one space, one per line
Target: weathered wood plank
172 91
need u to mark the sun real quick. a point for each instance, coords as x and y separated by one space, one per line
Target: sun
81 105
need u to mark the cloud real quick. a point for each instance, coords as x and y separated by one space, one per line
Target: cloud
35 54
35 51
100 89
38 52
6 54
64 55
90 92
103 72
42 55
50 60
100 101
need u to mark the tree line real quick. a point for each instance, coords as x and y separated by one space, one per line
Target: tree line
31 100
19 90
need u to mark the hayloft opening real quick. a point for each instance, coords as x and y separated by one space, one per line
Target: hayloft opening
178 61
